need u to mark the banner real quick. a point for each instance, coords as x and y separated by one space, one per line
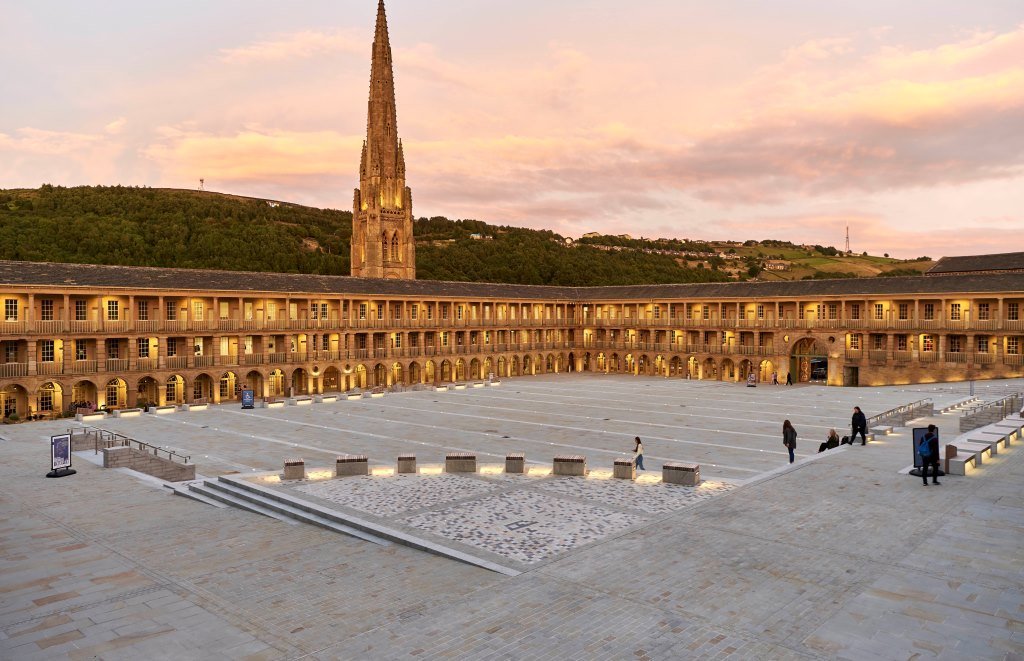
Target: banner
248 399
60 451
919 433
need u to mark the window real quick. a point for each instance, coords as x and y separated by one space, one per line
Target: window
81 350
398 311
143 344
380 311
10 352
1013 311
929 311
855 342
901 343
11 309
984 311
877 342
325 343
706 312
197 310
956 343
323 311
172 346
113 310
487 337
396 340
459 311
197 389
80 311
819 311
430 312
760 312
833 311
171 391
444 311
981 345
657 312
171 308
927 343
855 311
444 338
46 399
1013 345
143 310
954 311
46 309
112 394
46 351
314 311
362 310
879 311
113 349
414 312
903 311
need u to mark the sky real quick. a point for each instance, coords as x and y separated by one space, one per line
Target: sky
727 119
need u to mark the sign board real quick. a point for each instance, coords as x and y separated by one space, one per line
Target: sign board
919 433
60 451
751 380
248 399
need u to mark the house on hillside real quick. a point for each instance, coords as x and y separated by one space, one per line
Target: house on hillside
776 265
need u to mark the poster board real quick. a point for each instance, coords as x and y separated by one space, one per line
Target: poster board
248 399
60 452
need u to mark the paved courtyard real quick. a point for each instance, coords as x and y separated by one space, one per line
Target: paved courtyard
837 556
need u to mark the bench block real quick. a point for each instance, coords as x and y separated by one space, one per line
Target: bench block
406 464
515 462
460 462
958 465
881 430
569 464
325 399
128 413
294 469
686 474
351 464
993 439
978 449
624 469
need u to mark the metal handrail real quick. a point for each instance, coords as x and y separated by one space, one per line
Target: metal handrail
903 412
110 439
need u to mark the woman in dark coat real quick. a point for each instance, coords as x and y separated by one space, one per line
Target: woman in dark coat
789 439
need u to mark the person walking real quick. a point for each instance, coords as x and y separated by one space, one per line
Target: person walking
789 378
860 426
789 439
775 378
928 448
638 454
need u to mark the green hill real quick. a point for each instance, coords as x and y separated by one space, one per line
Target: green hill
193 229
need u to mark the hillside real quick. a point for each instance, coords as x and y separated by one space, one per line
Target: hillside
192 229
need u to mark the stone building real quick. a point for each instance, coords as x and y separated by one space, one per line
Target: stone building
110 336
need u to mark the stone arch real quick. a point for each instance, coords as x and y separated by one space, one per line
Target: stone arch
474 369
174 390
502 367
331 379
675 366
230 388
396 251
430 372
14 401
765 371
397 374
446 371
83 395
361 377
275 384
808 358
115 394
460 370
527 365
147 392
709 369
693 368
728 370
380 375
746 368
49 398
415 373
487 368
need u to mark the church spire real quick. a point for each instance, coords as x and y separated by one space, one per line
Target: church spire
382 228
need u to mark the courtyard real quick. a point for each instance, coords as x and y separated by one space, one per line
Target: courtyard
837 556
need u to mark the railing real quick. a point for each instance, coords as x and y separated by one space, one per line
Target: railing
13 369
901 414
85 367
989 412
49 368
177 362
108 439
116 364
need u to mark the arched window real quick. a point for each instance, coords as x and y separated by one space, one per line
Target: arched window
384 246
395 254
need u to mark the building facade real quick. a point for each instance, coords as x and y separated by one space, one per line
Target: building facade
85 336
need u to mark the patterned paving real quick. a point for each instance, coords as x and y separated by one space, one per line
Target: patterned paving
523 525
387 496
651 497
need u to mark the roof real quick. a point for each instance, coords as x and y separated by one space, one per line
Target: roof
1007 261
92 276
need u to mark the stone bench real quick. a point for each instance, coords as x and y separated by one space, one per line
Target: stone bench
303 400
569 464
881 430
515 462
478 385
494 384
991 440
162 410
127 413
295 469
684 473
1013 427
271 404
325 399
460 386
460 462
956 464
194 407
354 396
441 389
89 417
978 449
624 469
406 464
351 464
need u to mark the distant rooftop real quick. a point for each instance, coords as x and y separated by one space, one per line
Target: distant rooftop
1007 261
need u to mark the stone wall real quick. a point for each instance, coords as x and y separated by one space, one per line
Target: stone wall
144 462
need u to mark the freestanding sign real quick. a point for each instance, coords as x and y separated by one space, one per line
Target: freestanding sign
918 435
60 456
248 399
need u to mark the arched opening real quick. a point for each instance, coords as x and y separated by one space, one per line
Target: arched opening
202 388
808 362
746 369
361 377
429 372
14 399
384 245
415 373
49 398
380 375
675 366
446 371
230 387
115 394
83 396
602 362
643 365
693 368
765 371
570 363
613 363
396 253
527 365
728 370
147 392
630 363
660 366
397 374
275 384
502 367
332 380
513 368
474 369
460 370
709 369
174 390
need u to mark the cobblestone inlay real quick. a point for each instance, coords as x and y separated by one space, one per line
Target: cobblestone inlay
523 525
651 497
388 496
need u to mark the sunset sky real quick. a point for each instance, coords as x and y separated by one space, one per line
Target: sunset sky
732 119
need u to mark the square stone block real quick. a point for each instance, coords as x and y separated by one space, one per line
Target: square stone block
406 463
570 464
295 469
460 462
683 473
515 462
352 464
624 469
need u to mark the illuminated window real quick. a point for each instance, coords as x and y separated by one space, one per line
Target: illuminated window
46 351
396 340
113 310
171 308
46 309
143 310
80 311
112 393
833 311
760 312
1013 345
927 343
459 311
879 311
143 345
45 400
954 312
197 310
657 312
362 310
981 344
444 338
11 309
81 350
903 311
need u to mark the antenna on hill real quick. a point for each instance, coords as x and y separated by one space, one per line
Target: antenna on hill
847 238
202 183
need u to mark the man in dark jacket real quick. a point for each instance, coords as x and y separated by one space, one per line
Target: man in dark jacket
929 451
860 426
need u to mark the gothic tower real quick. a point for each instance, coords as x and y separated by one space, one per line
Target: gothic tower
382 240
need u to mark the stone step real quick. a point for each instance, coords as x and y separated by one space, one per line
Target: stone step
184 491
210 490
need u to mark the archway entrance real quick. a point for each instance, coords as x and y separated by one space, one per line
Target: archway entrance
808 362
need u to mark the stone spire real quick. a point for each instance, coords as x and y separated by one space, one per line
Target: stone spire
382 231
